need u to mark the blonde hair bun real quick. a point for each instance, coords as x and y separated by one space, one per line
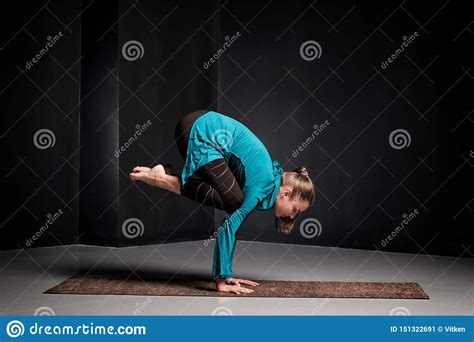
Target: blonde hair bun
302 171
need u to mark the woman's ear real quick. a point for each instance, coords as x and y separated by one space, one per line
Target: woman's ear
288 190
285 190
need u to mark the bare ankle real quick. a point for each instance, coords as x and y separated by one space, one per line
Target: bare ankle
158 182
175 184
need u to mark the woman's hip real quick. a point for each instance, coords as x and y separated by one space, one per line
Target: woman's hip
183 128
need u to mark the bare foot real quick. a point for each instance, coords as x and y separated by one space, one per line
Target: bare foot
154 176
157 176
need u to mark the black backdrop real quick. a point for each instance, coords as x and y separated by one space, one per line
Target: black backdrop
377 106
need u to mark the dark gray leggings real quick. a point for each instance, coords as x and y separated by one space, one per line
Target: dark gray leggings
212 184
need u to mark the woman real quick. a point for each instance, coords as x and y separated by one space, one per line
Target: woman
228 167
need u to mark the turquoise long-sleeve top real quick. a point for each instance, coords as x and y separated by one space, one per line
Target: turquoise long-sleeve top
213 136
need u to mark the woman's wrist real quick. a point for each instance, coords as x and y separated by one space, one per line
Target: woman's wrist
220 281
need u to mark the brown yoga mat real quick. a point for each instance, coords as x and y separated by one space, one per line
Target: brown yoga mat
123 285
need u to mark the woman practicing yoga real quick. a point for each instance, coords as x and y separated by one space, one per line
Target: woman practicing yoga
228 167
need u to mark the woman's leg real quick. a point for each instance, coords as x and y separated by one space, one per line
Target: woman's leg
216 187
157 176
160 175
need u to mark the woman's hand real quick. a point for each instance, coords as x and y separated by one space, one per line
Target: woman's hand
237 281
234 285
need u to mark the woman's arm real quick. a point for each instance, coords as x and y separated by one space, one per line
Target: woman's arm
225 243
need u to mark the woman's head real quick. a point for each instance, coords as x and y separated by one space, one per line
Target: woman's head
295 195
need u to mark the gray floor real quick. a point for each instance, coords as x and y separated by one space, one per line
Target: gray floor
25 274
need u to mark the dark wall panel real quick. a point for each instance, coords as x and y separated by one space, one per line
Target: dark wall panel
99 124
365 186
384 131
159 85
40 60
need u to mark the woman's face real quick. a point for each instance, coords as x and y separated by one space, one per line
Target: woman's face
286 207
